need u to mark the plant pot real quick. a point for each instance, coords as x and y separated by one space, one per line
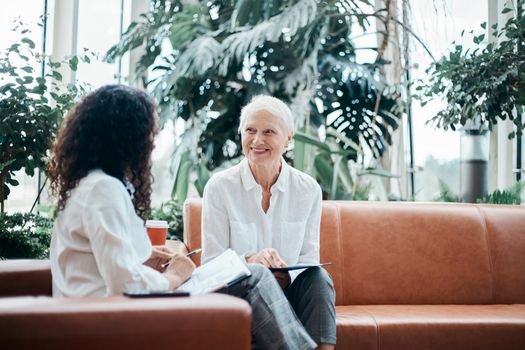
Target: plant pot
474 165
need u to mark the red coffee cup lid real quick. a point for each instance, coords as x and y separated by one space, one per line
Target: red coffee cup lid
157 223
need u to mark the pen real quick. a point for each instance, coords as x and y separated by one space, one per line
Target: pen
193 252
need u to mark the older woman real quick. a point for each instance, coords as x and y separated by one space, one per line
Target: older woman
269 213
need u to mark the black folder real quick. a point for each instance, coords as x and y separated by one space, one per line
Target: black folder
297 267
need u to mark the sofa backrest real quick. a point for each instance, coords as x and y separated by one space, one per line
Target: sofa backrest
415 253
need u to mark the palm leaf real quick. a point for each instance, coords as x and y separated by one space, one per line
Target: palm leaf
349 95
301 79
200 55
187 25
236 45
302 137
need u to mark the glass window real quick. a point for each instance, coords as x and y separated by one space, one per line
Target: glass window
99 26
436 152
27 11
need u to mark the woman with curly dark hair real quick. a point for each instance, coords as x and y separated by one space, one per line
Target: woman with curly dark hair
100 172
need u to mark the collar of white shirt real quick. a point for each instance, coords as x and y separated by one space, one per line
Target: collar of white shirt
248 181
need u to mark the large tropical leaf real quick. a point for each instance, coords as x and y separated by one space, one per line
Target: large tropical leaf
353 101
165 20
251 12
200 55
287 23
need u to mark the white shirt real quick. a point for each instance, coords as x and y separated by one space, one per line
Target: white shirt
99 243
232 215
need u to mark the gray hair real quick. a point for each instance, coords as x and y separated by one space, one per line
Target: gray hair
273 105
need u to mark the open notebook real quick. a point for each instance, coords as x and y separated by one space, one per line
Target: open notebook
223 271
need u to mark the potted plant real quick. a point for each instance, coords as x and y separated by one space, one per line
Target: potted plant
482 86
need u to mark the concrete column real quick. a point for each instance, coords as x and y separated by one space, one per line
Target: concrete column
137 7
502 150
64 33
394 160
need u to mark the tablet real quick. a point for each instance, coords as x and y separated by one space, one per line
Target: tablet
155 294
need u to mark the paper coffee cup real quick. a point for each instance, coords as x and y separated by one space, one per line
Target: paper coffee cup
157 231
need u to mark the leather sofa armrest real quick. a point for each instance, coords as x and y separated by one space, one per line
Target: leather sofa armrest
25 277
212 321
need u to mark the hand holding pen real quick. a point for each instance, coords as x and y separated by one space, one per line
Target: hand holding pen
178 270
193 252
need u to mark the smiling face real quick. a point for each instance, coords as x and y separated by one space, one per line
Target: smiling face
264 138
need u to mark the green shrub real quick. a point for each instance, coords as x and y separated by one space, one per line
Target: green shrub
31 107
25 236
511 195
171 211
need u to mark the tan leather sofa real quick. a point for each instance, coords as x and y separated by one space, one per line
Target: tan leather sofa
420 275
31 319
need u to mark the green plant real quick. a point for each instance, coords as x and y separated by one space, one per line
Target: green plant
171 211
25 236
224 52
511 195
483 85
332 166
31 108
446 194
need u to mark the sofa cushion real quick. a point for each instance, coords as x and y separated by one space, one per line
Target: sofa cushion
431 327
212 321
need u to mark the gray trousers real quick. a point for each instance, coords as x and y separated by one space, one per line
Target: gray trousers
312 296
274 323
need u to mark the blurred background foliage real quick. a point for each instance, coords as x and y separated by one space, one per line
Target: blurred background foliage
24 236
483 83
510 195
170 211
222 53
32 105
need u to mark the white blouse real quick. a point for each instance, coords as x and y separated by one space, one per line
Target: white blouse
99 243
232 215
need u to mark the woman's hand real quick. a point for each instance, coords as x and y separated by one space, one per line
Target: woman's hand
160 255
179 270
268 257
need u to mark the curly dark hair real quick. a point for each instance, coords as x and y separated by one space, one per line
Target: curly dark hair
111 129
